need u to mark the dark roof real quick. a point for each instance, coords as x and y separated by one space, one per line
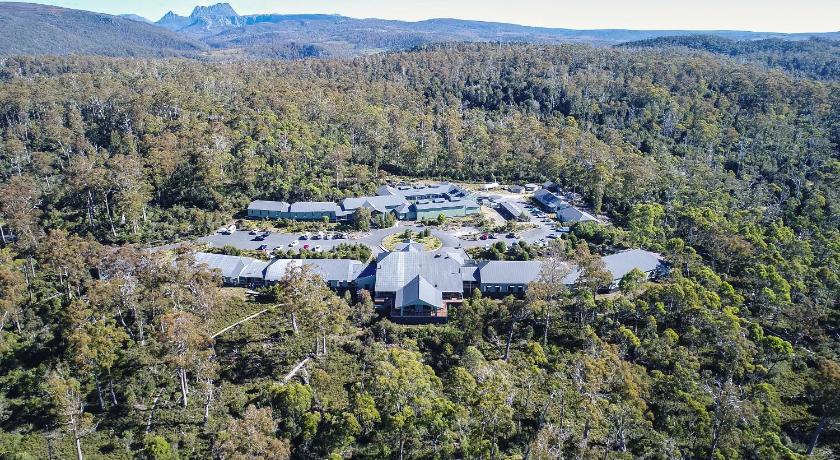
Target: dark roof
547 198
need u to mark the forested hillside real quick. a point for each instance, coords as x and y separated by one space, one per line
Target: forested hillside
730 171
39 29
814 58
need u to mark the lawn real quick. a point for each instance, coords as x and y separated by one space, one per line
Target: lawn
431 243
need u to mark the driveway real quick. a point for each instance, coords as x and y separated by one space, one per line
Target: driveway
242 239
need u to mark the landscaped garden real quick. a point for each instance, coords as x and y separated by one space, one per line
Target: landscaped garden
424 237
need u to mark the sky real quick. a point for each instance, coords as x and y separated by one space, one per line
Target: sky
755 15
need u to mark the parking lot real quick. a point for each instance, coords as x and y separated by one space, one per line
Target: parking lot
542 232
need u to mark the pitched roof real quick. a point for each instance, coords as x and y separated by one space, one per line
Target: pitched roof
573 214
444 204
419 290
404 208
261 205
547 198
378 203
469 273
441 189
411 246
508 271
622 263
338 270
313 206
512 208
229 266
254 269
395 269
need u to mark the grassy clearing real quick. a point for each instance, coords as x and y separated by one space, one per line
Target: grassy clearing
429 242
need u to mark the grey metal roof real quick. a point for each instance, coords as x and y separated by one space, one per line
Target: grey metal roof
508 272
255 269
261 205
411 246
379 203
419 290
229 266
547 198
345 270
469 273
457 255
395 269
455 204
512 208
622 263
313 206
415 190
573 214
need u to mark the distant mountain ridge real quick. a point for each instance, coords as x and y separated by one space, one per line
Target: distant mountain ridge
218 30
203 20
135 17
33 29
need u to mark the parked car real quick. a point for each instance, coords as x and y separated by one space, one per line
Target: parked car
318 248
259 238
305 246
484 237
510 235
266 233
327 236
491 236
262 247
305 236
293 244
252 232
339 236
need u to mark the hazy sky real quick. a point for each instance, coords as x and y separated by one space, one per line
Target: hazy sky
756 15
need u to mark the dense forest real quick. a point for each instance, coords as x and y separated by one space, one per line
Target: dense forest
813 58
111 350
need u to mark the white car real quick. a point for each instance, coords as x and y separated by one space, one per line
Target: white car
293 244
318 248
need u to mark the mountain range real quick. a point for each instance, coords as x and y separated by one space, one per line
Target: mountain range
219 31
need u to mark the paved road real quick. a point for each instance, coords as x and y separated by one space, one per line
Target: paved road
373 239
